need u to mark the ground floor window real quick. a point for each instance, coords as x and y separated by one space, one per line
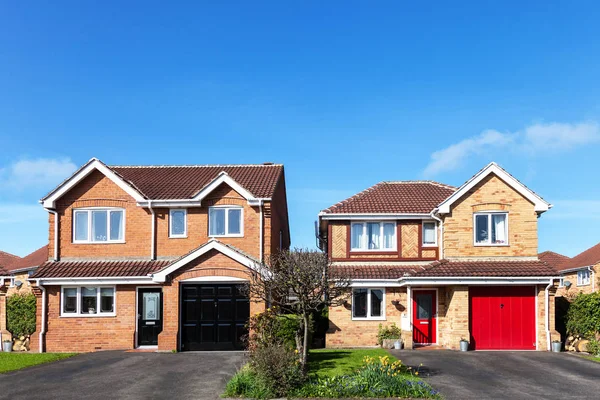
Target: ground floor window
368 303
583 277
87 301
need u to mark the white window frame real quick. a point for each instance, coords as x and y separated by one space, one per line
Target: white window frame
227 207
78 313
561 282
489 241
435 234
580 280
89 213
369 317
366 239
185 223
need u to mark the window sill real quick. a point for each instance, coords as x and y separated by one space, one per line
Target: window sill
369 251
430 245
178 237
368 318
111 242
226 236
583 284
491 245
104 315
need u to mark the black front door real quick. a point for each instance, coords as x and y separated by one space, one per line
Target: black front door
149 316
213 317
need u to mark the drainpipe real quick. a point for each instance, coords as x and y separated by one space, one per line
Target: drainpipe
547 319
55 232
592 278
152 229
441 238
409 306
261 245
43 330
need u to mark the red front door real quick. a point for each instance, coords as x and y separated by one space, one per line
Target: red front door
424 316
502 317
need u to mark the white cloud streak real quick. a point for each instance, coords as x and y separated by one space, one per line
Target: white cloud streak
37 173
537 138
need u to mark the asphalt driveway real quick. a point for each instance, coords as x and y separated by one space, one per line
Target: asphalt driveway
121 375
506 375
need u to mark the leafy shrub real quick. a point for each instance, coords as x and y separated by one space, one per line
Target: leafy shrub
593 347
388 332
377 378
583 317
270 328
20 314
278 367
245 383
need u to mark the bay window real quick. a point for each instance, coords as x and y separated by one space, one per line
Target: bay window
87 301
490 228
368 303
429 234
373 236
99 225
225 221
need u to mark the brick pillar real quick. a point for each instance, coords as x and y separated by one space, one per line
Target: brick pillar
168 339
457 315
34 340
3 332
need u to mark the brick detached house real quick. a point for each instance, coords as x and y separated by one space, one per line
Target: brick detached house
443 263
14 278
577 274
155 256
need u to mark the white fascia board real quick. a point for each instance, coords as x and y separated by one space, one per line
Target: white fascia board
566 271
94 164
170 203
145 280
161 276
223 177
366 283
540 205
477 281
375 217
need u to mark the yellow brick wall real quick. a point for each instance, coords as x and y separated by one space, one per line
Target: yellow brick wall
574 290
339 240
453 316
491 194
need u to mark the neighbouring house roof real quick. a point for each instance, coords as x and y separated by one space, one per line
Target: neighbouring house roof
586 258
6 260
99 268
446 268
33 260
173 182
553 259
377 271
400 197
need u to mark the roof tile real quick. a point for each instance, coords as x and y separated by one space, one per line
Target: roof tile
402 197
446 268
34 259
97 269
553 259
376 271
587 258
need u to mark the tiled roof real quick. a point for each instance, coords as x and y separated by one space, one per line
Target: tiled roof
34 259
183 182
585 259
403 197
553 259
376 271
98 269
445 268
6 260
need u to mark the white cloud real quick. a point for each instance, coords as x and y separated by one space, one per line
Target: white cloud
551 137
453 156
37 173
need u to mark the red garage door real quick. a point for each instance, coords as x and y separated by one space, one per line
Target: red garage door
502 317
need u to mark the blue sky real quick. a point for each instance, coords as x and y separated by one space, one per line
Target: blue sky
345 94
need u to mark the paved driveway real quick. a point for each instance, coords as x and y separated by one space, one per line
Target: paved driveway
121 375
506 375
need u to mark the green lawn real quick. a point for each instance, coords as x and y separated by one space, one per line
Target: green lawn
593 358
326 363
15 361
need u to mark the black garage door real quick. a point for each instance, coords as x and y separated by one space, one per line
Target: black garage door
213 317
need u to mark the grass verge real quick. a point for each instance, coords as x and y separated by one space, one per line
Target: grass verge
15 361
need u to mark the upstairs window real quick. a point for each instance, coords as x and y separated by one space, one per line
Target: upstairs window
583 277
491 229
373 236
429 234
99 225
178 223
225 221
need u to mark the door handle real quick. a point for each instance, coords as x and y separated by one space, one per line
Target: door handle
501 306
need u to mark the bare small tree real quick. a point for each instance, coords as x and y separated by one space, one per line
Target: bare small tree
300 282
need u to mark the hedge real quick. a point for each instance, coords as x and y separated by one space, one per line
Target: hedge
20 314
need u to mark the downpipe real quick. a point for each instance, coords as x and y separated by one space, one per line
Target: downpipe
547 319
43 330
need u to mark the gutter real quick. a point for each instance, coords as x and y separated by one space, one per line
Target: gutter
547 318
43 330
441 238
